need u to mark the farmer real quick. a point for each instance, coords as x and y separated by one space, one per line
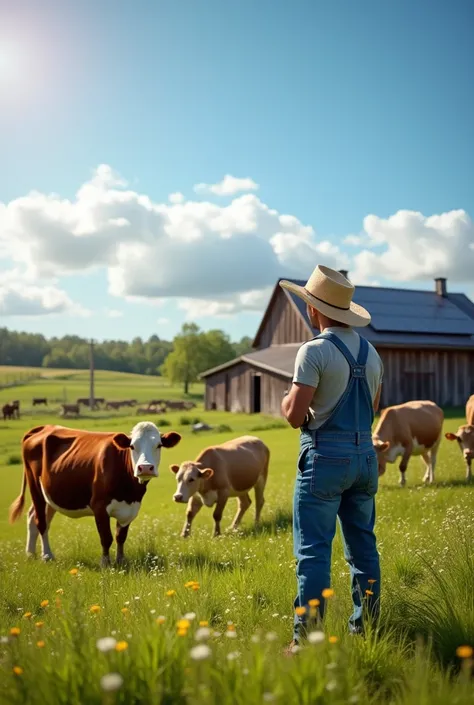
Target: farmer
335 391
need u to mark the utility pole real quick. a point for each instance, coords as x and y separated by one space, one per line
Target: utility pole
91 376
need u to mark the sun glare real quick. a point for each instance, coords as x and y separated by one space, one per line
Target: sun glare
10 61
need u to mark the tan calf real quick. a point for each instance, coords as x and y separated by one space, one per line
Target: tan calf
231 469
413 428
465 437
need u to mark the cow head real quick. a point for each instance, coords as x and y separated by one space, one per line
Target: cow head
189 477
465 437
381 448
145 444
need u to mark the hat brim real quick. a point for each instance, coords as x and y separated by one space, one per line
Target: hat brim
355 316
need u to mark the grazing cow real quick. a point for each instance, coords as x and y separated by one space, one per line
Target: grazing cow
16 408
8 411
37 401
113 405
413 428
69 409
465 437
84 473
219 472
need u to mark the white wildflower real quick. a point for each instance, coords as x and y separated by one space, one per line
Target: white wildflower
233 655
202 634
271 636
190 616
269 697
200 652
111 682
231 634
107 643
316 637
255 639
332 685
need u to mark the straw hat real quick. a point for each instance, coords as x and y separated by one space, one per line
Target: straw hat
330 293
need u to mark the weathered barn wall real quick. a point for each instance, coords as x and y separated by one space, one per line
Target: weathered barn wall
238 381
443 376
283 324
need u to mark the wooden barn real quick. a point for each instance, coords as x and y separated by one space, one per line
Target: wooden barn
425 339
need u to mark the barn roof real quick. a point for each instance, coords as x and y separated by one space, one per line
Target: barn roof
279 359
405 317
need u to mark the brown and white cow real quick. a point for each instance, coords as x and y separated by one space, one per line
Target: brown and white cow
83 473
413 428
465 437
230 469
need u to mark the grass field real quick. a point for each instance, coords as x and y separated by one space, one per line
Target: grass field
246 579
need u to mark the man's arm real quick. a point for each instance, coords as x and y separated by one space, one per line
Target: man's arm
295 404
377 397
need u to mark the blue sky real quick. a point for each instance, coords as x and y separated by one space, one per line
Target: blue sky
336 110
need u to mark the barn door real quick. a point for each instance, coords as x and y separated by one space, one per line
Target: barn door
256 393
227 392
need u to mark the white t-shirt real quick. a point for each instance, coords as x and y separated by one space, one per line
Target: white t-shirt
319 363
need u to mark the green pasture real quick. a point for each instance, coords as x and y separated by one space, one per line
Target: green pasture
245 580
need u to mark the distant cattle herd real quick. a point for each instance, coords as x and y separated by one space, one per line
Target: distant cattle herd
11 410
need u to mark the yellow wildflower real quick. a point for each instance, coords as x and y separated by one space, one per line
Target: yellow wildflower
39 624
204 623
190 583
465 652
369 592
121 646
40 644
73 571
95 609
125 610
15 631
44 603
160 620
17 670
371 581
333 639
27 615
60 591
182 632
327 593
170 593
300 611
196 586
230 627
314 602
184 624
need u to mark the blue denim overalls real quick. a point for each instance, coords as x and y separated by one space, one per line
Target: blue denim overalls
338 477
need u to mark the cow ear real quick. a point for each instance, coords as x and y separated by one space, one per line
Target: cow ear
171 439
121 441
207 473
174 468
451 436
381 446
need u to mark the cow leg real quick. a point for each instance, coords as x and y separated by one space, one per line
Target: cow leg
244 503
46 553
32 533
194 506
259 497
468 470
222 497
41 520
403 465
121 533
426 460
102 521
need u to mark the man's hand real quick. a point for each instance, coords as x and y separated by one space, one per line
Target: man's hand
295 404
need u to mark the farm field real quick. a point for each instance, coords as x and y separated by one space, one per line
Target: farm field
241 584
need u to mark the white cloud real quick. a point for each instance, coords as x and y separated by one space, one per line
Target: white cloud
176 197
18 298
229 186
216 260
410 246
113 313
162 321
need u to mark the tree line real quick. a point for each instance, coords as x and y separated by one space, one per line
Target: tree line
191 352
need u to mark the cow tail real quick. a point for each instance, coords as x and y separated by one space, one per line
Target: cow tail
16 507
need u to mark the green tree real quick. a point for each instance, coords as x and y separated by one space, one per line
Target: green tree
185 362
243 346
